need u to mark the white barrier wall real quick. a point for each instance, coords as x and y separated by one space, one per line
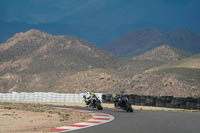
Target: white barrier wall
44 97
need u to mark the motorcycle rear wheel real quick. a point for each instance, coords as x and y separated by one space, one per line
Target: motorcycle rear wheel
129 108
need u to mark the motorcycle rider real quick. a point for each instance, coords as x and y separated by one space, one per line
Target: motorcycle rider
87 96
115 99
119 100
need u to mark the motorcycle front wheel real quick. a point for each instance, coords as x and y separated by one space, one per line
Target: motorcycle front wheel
99 107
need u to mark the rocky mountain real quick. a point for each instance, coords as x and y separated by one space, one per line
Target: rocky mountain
34 59
192 62
37 61
163 53
141 41
158 56
98 80
178 82
180 79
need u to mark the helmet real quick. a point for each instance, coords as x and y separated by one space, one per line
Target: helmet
88 95
114 95
86 91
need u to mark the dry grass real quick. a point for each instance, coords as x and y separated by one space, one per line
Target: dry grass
35 118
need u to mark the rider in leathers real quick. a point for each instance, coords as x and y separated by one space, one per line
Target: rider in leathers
87 96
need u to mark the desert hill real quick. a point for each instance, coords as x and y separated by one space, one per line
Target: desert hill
34 59
158 56
140 41
37 61
180 79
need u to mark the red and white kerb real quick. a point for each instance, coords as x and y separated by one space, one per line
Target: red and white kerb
98 118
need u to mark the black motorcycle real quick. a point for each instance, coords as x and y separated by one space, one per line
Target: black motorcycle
95 103
123 103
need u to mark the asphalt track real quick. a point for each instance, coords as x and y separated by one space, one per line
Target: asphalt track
147 122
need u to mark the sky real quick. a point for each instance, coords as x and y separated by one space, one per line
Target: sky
109 17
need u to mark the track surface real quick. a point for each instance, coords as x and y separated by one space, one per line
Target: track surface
147 122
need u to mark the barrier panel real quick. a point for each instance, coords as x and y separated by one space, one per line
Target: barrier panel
44 97
198 103
163 101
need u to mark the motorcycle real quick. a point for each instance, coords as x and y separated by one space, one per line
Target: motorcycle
95 103
123 103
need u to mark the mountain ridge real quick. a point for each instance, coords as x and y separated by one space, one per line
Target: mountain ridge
140 41
35 56
37 61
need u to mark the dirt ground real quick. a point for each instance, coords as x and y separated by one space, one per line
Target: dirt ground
35 118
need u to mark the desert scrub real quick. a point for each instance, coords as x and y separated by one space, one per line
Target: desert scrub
190 75
9 107
63 116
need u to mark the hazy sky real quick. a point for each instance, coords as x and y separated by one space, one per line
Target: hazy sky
159 13
114 17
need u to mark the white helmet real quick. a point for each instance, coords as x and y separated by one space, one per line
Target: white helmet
86 91
87 94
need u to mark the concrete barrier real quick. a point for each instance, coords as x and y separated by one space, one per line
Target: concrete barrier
163 101
44 97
